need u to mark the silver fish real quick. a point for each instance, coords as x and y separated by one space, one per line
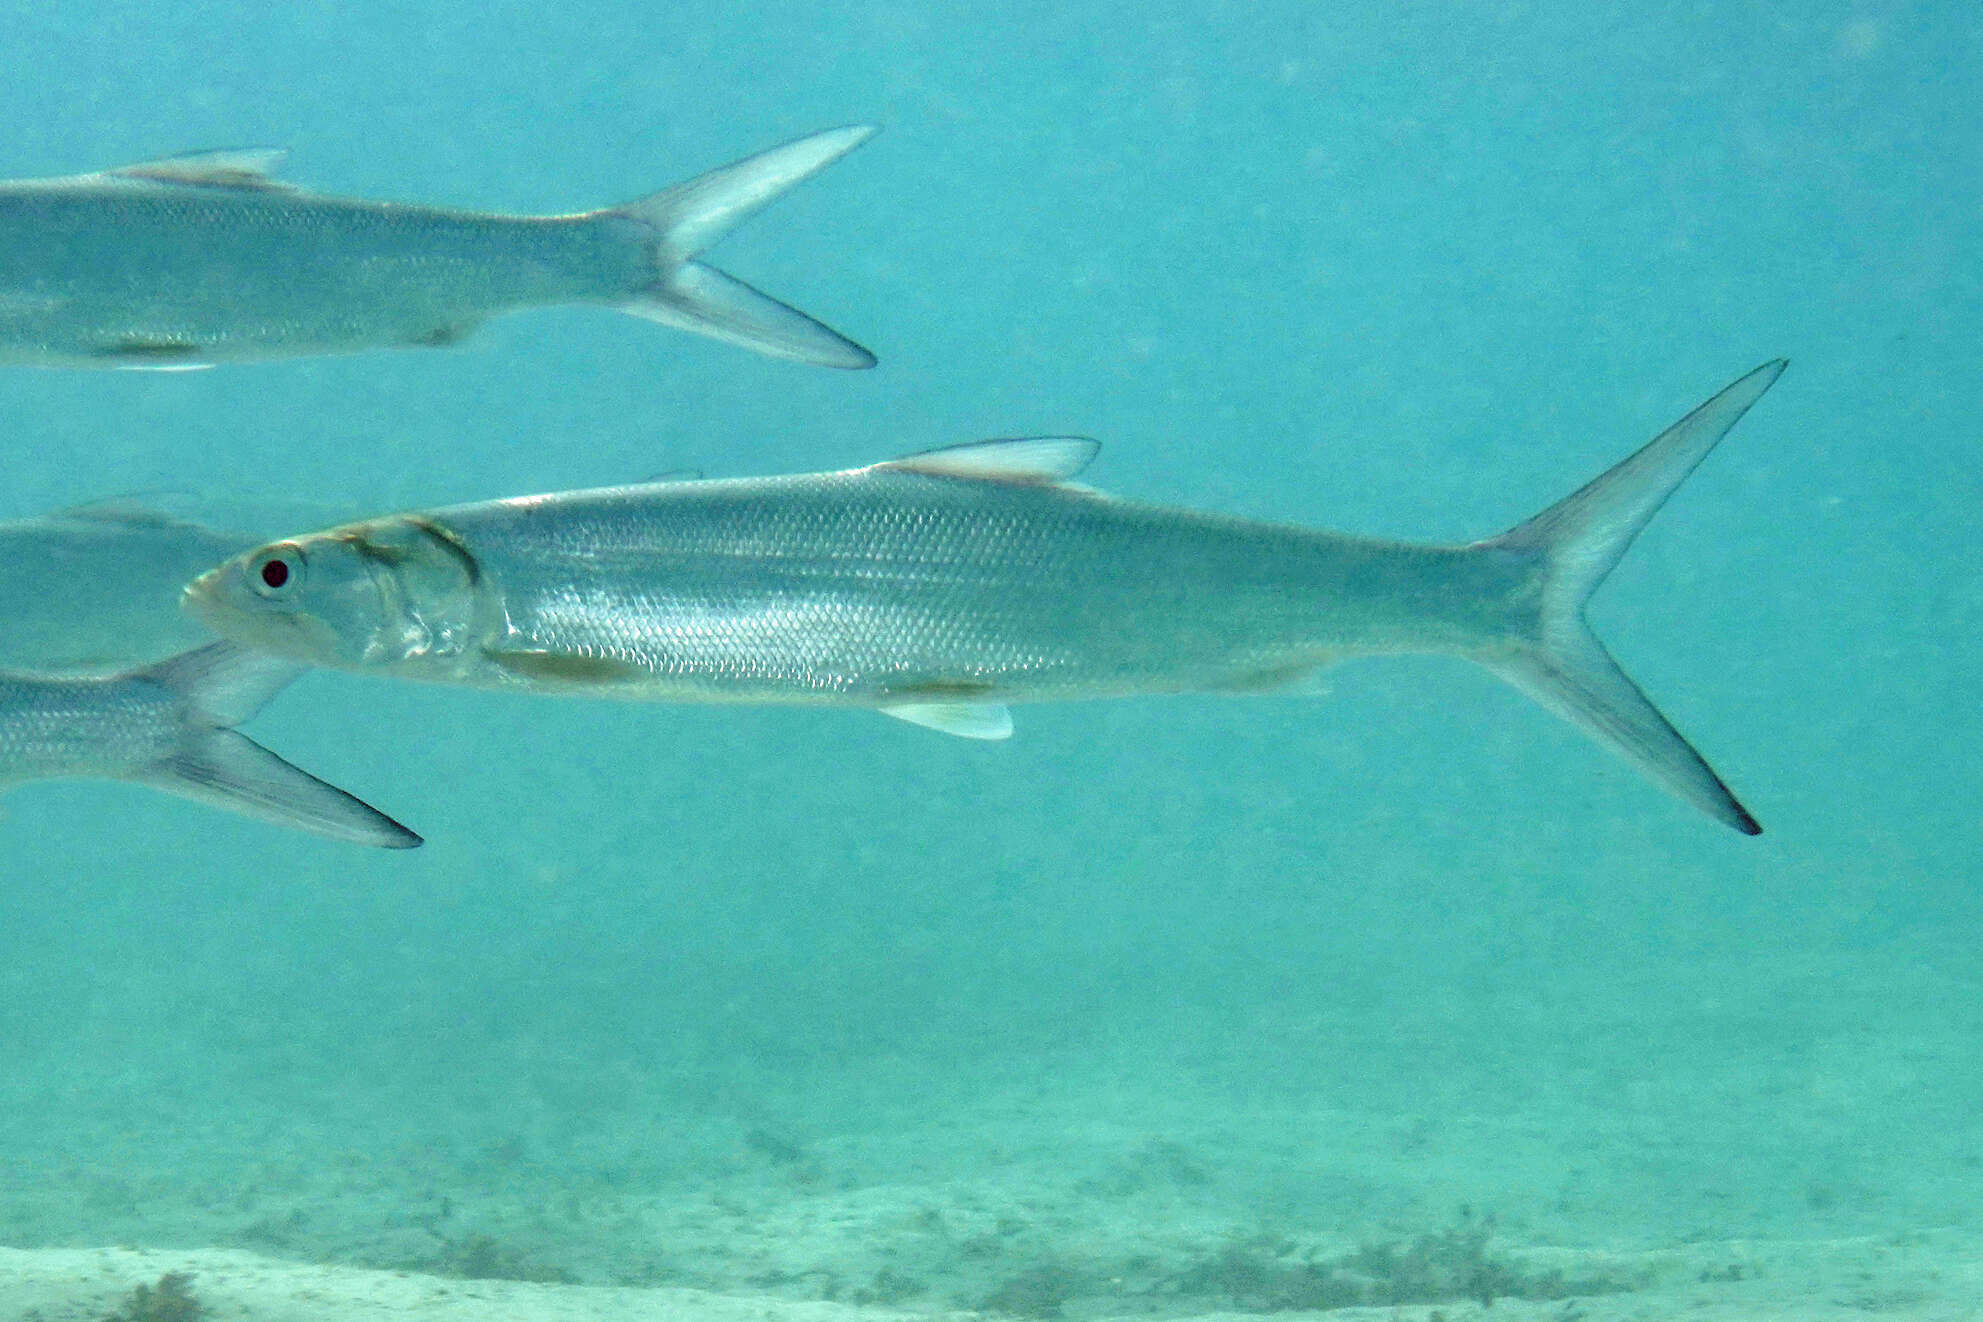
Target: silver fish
171 726
95 590
942 586
194 260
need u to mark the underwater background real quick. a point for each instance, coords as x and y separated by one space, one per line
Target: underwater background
1163 1003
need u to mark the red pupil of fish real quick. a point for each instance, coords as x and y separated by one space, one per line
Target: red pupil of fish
275 573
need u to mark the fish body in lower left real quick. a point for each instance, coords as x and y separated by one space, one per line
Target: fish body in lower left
171 726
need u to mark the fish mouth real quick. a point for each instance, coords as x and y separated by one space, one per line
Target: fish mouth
205 599
201 598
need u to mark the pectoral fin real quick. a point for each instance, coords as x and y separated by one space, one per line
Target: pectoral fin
564 668
139 354
1305 678
966 720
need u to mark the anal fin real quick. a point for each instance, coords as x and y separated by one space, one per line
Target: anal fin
966 720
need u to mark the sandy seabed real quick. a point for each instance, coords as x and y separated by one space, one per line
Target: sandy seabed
1816 1158
1918 1276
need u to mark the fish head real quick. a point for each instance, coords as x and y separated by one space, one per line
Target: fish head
400 593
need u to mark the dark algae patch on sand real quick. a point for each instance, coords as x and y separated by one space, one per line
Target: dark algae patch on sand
1273 1273
171 1300
485 1258
1041 1291
1270 1274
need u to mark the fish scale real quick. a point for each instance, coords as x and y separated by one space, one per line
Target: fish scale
249 268
787 589
52 727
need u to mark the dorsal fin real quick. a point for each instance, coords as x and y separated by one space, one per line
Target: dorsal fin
1027 460
234 167
132 511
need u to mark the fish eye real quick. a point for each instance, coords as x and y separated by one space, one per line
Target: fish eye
276 572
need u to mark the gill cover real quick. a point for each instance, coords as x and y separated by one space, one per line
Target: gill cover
426 585
387 592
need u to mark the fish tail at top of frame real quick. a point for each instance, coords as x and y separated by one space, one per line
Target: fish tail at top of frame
694 296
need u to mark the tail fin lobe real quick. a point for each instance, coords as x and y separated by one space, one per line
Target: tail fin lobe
223 685
701 299
1575 544
691 216
229 770
1572 674
1587 533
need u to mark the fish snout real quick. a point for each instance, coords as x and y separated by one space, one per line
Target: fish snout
221 601
201 597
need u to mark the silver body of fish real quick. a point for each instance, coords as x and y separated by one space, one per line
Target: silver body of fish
196 260
171 726
96 590
940 587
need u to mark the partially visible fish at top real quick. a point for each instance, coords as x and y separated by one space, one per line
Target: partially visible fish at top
940 587
190 261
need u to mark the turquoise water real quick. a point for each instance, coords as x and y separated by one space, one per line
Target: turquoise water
773 1000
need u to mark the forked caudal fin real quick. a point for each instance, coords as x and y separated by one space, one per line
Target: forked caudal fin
695 297
1575 543
223 685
